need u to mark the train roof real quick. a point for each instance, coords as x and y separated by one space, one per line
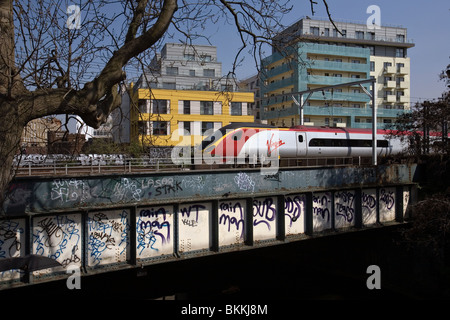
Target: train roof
336 129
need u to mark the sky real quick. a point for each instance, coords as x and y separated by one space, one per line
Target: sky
427 23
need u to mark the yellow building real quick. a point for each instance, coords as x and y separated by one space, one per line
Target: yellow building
165 117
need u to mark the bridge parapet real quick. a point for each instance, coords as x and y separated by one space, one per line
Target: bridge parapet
101 223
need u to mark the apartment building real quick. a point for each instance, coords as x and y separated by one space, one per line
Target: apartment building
183 95
312 54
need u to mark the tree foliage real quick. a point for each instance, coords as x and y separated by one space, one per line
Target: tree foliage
49 66
426 126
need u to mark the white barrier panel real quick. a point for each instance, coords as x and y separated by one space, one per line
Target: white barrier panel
231 222
154 232
322 207
406 201
58 237
12 244
344 208
387 204
264 218
193 227
294 212
369 206
108 237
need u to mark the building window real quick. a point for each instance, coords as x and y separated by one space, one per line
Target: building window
187 127
172 71
142 127
206 58
159 106
372 50
314 30
169 85
207 126
208 72
192 73
236 109
160 128
359 35
206 107
400 38
344 33
371 35
186 107
189 57
142 105
399 66
372 65
327 32
400 53
400 79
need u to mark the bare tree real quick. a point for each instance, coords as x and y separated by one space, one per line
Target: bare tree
54 61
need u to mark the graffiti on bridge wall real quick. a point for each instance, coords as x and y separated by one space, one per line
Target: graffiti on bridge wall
106 234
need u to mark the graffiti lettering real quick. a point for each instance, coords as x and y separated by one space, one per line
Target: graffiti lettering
293 208
319 209
344 205
228 216
108 236
368 201
168 189
263 212
244 182
387 198
10 232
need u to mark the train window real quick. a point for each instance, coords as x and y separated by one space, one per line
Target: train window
354 143
300 138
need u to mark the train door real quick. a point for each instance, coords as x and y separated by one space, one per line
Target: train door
301 144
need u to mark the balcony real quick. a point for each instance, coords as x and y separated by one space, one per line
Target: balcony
278 70
403 85
340 96
403 99
402 70
338 66
390 70
281 84
334 50
390 84
323 80
390 98
331 112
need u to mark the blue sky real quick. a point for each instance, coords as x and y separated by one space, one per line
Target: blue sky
428 24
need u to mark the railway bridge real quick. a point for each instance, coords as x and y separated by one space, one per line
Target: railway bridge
103 223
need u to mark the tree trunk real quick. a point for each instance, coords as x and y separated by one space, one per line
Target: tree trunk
94 102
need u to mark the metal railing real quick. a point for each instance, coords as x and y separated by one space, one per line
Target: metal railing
144 165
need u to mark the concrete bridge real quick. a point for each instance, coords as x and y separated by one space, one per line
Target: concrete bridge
105 223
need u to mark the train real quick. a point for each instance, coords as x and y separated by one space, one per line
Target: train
247 140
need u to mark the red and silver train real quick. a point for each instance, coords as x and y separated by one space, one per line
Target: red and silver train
244 140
